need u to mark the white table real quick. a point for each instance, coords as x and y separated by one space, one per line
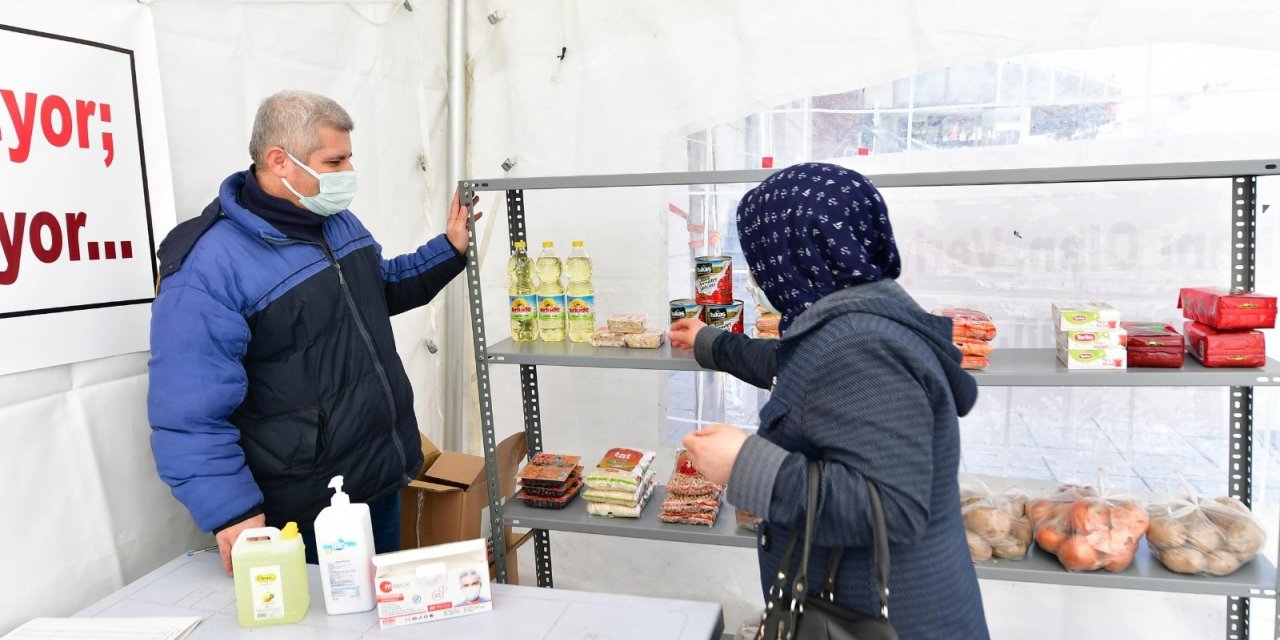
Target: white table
198 586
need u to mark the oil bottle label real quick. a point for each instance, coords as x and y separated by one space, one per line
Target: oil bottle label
522 307
551 309
581 307
267 591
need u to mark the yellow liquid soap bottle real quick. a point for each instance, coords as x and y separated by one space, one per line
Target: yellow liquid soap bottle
271 576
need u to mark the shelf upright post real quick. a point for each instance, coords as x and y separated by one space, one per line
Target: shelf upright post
1244 200
529 392
498 539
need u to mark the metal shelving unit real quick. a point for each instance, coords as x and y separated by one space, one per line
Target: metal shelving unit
1009 367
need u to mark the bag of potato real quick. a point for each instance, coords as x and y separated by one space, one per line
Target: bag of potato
1088 531
1202 536
995 524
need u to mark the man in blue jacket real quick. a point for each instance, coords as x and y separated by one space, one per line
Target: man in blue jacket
273 365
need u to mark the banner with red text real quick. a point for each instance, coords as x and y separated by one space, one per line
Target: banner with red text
84 199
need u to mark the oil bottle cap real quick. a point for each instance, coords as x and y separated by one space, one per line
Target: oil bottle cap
519 244
577 244
548 244
290 531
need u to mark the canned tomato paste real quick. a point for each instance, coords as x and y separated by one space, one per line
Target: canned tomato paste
682 308
727 317
713 280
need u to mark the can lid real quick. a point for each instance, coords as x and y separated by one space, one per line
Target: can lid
577 244
548 244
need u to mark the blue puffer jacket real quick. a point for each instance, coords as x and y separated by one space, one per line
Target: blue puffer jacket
273 366
870 385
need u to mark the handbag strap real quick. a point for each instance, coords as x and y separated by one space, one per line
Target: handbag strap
879 532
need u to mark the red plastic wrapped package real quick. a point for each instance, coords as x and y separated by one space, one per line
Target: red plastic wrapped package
974 363
1214 348
967 323
1154 344
1221 309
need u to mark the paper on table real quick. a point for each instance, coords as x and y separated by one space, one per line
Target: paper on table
175 628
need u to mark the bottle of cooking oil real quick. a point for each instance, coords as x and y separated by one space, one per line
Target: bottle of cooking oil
270 569
551 302
522 295
582 296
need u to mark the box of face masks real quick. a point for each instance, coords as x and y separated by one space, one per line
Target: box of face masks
432 583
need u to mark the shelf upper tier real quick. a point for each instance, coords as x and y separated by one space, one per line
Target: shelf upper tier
1009 367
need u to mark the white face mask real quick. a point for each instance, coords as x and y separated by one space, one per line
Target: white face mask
337 189
471 593
758 294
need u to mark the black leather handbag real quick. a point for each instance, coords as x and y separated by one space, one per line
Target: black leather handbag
817 617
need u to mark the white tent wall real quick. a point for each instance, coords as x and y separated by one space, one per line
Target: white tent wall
635 79
82 500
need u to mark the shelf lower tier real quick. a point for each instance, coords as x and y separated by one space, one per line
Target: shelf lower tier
1255 580
1009 367
573 517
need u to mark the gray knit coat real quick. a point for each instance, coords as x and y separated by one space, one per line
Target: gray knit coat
868 383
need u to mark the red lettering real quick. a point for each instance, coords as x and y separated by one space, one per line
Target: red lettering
23 125
93 251
50 106
126 249
108 144
111 250
11 245
75 222
52 251
83 111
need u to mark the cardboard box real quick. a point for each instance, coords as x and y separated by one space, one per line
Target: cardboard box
447 500
1093 338
1085 315
432 583
1115 359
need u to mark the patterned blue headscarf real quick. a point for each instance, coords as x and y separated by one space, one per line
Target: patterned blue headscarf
812 229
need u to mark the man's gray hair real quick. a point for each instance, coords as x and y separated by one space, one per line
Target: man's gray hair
289 119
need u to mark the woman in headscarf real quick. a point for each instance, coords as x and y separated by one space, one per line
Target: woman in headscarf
865 382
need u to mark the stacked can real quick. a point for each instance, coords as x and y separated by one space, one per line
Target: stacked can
713 301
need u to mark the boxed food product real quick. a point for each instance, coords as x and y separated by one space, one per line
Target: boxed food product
996 524
645 340
968 323
1093 359
1202 536
1230 348
1086 315
549 470
1093 338
431 583
603 337
543 499
557 491
1088 532
1154 344
626 322
1221 309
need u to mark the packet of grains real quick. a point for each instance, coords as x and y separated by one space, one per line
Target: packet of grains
621 470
